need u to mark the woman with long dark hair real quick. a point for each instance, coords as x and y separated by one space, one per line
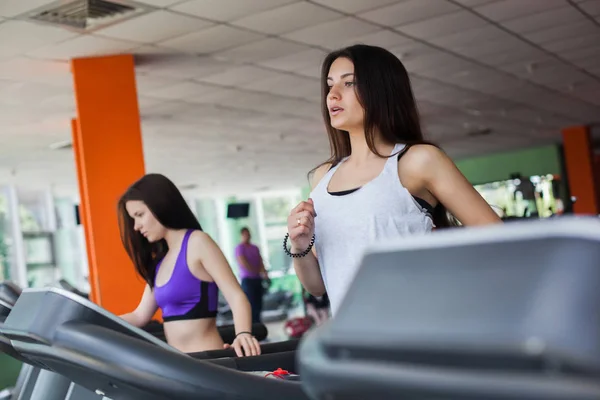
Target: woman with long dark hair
183 267
382 180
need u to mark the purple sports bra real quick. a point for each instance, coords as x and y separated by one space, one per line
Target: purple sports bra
184 296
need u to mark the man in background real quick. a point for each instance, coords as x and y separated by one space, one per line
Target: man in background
252 272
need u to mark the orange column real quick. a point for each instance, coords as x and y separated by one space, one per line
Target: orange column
580 168
82 215
107 142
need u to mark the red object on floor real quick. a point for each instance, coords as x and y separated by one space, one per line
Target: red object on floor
278 373
297 327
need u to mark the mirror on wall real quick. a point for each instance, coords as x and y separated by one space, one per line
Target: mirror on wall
536 196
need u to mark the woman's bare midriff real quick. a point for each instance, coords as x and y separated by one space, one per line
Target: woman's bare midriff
190 336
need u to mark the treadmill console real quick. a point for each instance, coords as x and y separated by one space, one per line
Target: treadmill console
39 313
468 311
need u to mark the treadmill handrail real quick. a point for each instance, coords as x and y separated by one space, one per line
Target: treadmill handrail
84 344
5 304
114 318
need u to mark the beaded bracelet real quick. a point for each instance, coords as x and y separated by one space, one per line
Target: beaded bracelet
297 255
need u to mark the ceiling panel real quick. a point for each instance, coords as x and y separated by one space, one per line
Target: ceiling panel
443 25
411 49
577 54
145 102
312 71
559 76
181 91
307 59
238 76
183 66
29 70
19 37
559 32
147 83
154 27
227 10
480 50
215 95
211 40
164 111
285 85
24 93
436 62
591 7
332 34
409 11
262 50
588 93
506 10
160 3
469 37
354 6
521 53
382 38
82 46
12 8
487 81
287 18
544 20
475 3
574 43
590 65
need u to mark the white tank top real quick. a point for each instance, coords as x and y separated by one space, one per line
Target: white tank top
346 224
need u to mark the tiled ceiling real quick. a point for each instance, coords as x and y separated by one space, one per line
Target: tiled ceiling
229 90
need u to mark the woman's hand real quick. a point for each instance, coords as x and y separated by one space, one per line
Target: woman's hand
301 225
247 342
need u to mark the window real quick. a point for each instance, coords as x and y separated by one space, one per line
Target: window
4 238
276 208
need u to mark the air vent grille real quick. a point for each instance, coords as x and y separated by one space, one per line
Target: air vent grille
85 14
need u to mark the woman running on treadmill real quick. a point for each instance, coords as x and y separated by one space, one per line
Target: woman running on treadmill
183 267
382 179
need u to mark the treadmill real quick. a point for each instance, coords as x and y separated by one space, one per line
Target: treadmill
498 312
9 293
34 382
102 354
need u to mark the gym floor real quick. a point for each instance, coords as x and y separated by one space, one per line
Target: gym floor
276 331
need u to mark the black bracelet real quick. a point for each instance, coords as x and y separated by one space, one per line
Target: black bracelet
249 333
297 255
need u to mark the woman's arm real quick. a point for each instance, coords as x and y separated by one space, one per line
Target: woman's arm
307 267
147 307
205 252
449 186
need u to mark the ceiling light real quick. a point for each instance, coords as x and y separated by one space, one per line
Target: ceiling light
62 145
479 132
188 186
